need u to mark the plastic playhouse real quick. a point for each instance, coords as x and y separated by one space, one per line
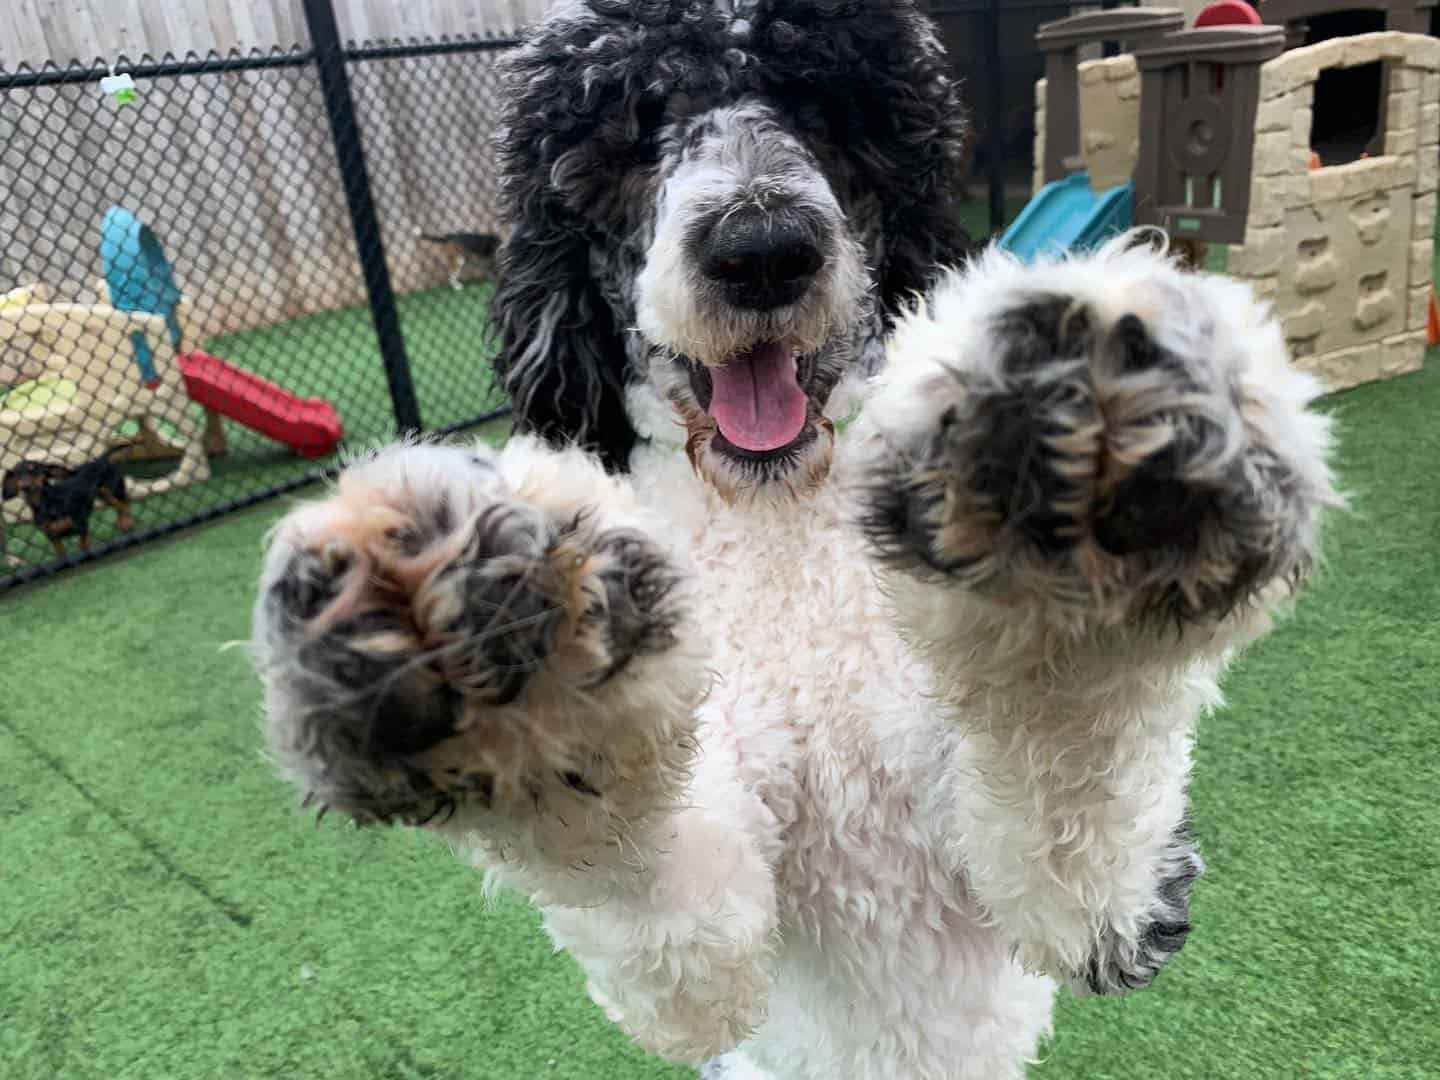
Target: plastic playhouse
1080 200
1208 133
138 278
79 386
76 376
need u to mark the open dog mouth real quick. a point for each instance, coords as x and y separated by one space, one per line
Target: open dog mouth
757 401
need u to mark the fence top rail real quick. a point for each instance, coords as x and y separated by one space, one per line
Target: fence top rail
51 73
75 71
398 50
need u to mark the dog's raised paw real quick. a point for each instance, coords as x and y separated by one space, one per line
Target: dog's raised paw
427 634
1119 965
1105 435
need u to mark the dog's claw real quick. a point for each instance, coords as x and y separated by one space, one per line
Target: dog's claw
336 557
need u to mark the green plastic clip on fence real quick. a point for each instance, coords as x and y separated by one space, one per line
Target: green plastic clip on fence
120 87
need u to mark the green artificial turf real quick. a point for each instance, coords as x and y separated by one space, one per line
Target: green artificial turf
164 913
335 355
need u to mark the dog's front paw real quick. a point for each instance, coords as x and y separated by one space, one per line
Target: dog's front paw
1121 962
453 628
1106 436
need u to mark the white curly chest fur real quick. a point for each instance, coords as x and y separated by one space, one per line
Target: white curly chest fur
830 724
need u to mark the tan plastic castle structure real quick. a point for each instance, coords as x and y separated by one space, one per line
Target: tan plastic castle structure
1345 251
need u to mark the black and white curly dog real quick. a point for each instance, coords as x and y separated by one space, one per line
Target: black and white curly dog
829 719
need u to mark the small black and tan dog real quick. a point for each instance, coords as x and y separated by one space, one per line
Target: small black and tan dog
62 499
463 248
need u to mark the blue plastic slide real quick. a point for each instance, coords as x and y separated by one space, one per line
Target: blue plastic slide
1066 215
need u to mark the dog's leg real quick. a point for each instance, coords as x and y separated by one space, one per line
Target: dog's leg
81 525
499 647
116 500
1088 484
123 518
457 266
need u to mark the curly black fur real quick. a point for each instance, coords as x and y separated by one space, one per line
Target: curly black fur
594 93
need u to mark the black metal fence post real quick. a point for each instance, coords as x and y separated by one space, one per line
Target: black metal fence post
350 153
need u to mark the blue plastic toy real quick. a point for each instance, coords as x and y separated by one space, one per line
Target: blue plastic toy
1068 215
139 279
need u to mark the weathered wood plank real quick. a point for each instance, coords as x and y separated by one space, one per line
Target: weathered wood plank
21 37
35 30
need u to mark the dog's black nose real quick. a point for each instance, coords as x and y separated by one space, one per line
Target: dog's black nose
762 259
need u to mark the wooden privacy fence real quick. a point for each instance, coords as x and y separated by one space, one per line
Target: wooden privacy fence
32 31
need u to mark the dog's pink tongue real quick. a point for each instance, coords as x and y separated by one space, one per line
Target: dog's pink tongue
756 401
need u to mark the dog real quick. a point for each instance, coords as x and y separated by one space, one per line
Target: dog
822 654
61 499
461 248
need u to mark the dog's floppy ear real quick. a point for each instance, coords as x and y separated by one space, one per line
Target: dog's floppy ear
578 131
916 130
11 486
561 356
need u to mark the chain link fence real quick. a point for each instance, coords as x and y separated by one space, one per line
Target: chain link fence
428 123
208 292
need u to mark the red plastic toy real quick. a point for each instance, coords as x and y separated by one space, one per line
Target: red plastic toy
1228 13
309 426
